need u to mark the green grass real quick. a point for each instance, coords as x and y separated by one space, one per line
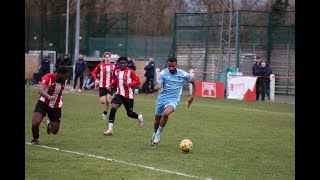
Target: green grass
232 139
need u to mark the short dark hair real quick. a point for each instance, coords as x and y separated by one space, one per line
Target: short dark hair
123 58
258 57
106 53
172 59
62 70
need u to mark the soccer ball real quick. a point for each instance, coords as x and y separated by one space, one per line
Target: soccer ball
186 145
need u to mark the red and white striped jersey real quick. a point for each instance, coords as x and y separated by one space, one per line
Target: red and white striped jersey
106 72
125 76
53 89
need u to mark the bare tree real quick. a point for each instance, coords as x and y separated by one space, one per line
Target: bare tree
145 17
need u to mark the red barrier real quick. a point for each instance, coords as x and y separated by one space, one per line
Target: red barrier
223 74
210 89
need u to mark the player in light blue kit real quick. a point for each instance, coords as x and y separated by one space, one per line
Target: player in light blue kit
169 85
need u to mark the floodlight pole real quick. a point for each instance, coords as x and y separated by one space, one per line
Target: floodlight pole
67 27
76 48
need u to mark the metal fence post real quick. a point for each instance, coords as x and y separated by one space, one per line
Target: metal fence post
190 85
272 87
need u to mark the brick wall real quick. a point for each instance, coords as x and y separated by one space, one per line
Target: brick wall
31 62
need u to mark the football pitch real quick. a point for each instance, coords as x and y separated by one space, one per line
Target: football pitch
232 139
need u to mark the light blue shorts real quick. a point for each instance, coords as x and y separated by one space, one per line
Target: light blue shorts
161 106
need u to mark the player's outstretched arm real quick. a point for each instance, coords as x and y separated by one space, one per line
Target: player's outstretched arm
190 99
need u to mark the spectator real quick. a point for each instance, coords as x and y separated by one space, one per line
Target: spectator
96 86
256 72
131 63
45 64
149 74
88 83
116 62
59 60
80 67
265 71
66 62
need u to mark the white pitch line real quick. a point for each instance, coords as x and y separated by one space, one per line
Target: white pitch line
118 161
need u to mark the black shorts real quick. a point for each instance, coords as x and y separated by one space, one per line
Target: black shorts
103 92
128 103
54 114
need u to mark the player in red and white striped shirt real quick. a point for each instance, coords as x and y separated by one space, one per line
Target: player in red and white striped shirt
126 78
106 71
49 102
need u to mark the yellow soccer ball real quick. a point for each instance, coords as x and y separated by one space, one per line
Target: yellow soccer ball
186 145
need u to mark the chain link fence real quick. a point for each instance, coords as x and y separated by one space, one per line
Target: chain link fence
206 42
215 42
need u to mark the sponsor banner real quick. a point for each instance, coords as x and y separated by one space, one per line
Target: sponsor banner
242 88
210 89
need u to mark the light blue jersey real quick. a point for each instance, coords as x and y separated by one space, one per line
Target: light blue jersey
172 86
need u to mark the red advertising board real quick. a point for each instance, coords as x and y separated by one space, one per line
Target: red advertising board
210 89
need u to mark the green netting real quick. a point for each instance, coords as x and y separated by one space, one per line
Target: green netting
109 32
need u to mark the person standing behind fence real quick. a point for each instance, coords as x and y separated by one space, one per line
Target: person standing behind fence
106 71
150 67
88 82
57 65
66 62
256 71
265 72
116 62
79 69
45 64
131 63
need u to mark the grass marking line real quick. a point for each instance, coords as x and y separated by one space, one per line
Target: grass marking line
119 161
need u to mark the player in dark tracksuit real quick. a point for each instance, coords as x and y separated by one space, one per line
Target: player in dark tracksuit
256 71
150 67
265 72
45 64
80 68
